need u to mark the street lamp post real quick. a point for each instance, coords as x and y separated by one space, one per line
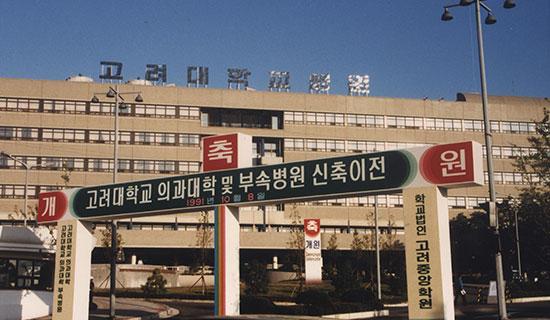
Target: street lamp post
25 192
377 241
493 215
115 93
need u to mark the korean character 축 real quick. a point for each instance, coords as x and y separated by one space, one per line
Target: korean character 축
338 171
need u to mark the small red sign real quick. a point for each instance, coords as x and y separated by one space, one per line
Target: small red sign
51 206
312 227
448 163
220 152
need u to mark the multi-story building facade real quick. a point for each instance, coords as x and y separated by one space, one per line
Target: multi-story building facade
55 128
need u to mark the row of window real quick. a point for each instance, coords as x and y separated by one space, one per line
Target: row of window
101 108
290 117
384 229
396 201
98 136
101 165
330 145
380 121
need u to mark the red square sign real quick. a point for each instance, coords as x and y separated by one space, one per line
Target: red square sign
220 152
51 206
312 227
448 163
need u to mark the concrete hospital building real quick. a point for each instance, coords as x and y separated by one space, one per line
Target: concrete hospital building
55 128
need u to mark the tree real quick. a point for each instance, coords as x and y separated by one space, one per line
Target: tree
533 209
331 257
204 239
105 242
471 237
254 276
297 245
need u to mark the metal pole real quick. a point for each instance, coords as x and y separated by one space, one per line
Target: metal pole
112 287
25 194
517 245
378 280
115 155
489 146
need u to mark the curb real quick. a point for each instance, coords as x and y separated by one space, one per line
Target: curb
358 315
169 313
530 299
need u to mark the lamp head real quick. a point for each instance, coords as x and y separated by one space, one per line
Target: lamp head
111 93
465 3
509 4
95 99
490 19
139 98
446 16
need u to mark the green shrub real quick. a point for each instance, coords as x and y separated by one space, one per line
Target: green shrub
256 305
317 302
156 284
362 296
254 276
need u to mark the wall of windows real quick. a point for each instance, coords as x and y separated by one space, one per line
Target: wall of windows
98 136
358 146
101 108
404 122
101 165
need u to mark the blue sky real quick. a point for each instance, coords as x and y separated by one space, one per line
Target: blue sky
402 44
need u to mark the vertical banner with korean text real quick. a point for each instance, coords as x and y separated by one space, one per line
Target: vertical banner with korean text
312 251
428 254
224 152
72 270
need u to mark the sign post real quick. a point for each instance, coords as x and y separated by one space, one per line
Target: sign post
224 152
312 251
428 254
73 256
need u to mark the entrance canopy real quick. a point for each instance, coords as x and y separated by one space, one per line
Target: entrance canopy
448 165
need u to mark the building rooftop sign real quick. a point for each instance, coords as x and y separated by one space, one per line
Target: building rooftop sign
449 165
